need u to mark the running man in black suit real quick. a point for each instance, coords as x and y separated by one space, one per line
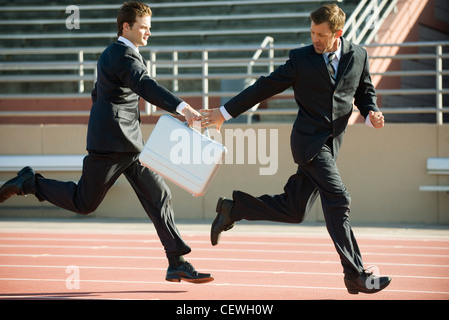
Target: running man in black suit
114 142
327 77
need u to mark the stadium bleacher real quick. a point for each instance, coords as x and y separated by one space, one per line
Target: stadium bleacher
41 58
174 22
31 25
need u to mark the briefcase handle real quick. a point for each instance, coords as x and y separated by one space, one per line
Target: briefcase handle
206 130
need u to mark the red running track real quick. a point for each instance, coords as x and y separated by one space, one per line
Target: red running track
107 264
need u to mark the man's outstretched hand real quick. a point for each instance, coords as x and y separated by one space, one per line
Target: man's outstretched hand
212 117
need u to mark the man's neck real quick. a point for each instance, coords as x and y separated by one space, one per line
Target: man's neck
336 45
128 43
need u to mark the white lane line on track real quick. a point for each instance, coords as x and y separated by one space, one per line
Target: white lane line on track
252 243
222 250
71 256
235 233
274 272
218 284
231 239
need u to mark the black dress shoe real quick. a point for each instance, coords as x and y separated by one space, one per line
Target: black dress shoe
366 283
187 273
17 185
223 221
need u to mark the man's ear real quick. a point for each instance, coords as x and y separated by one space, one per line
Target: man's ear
339 33
126 26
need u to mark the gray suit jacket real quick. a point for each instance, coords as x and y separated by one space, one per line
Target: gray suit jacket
114 123
324 106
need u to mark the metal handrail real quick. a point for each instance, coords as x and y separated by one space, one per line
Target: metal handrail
267 43
366 19
206 67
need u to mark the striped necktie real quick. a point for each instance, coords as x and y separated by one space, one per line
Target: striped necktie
330 67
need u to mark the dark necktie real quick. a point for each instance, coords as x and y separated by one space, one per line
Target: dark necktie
330 67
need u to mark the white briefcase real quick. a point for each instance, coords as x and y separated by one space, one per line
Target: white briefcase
182 155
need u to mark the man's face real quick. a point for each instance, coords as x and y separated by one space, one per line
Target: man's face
139 33
323 39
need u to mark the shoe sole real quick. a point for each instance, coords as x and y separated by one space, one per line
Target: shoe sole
218 210
6 193
356 291
196 281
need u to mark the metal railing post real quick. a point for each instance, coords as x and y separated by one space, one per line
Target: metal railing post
151 67
81 71
205 79
271 57
175 84
267 41
439 84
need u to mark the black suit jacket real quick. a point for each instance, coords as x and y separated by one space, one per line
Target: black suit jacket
122 77
324 106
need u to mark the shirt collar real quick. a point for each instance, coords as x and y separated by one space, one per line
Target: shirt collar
128 43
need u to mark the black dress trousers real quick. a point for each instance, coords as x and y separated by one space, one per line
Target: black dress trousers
319 177
100 171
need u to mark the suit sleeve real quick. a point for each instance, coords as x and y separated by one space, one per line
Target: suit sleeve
133 73
365 97
265 87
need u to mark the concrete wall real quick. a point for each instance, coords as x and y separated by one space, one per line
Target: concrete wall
382 169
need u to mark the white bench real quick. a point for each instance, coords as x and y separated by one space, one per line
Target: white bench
41 163
13 163
439 166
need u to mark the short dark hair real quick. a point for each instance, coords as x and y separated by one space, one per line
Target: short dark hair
128 13
330 13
